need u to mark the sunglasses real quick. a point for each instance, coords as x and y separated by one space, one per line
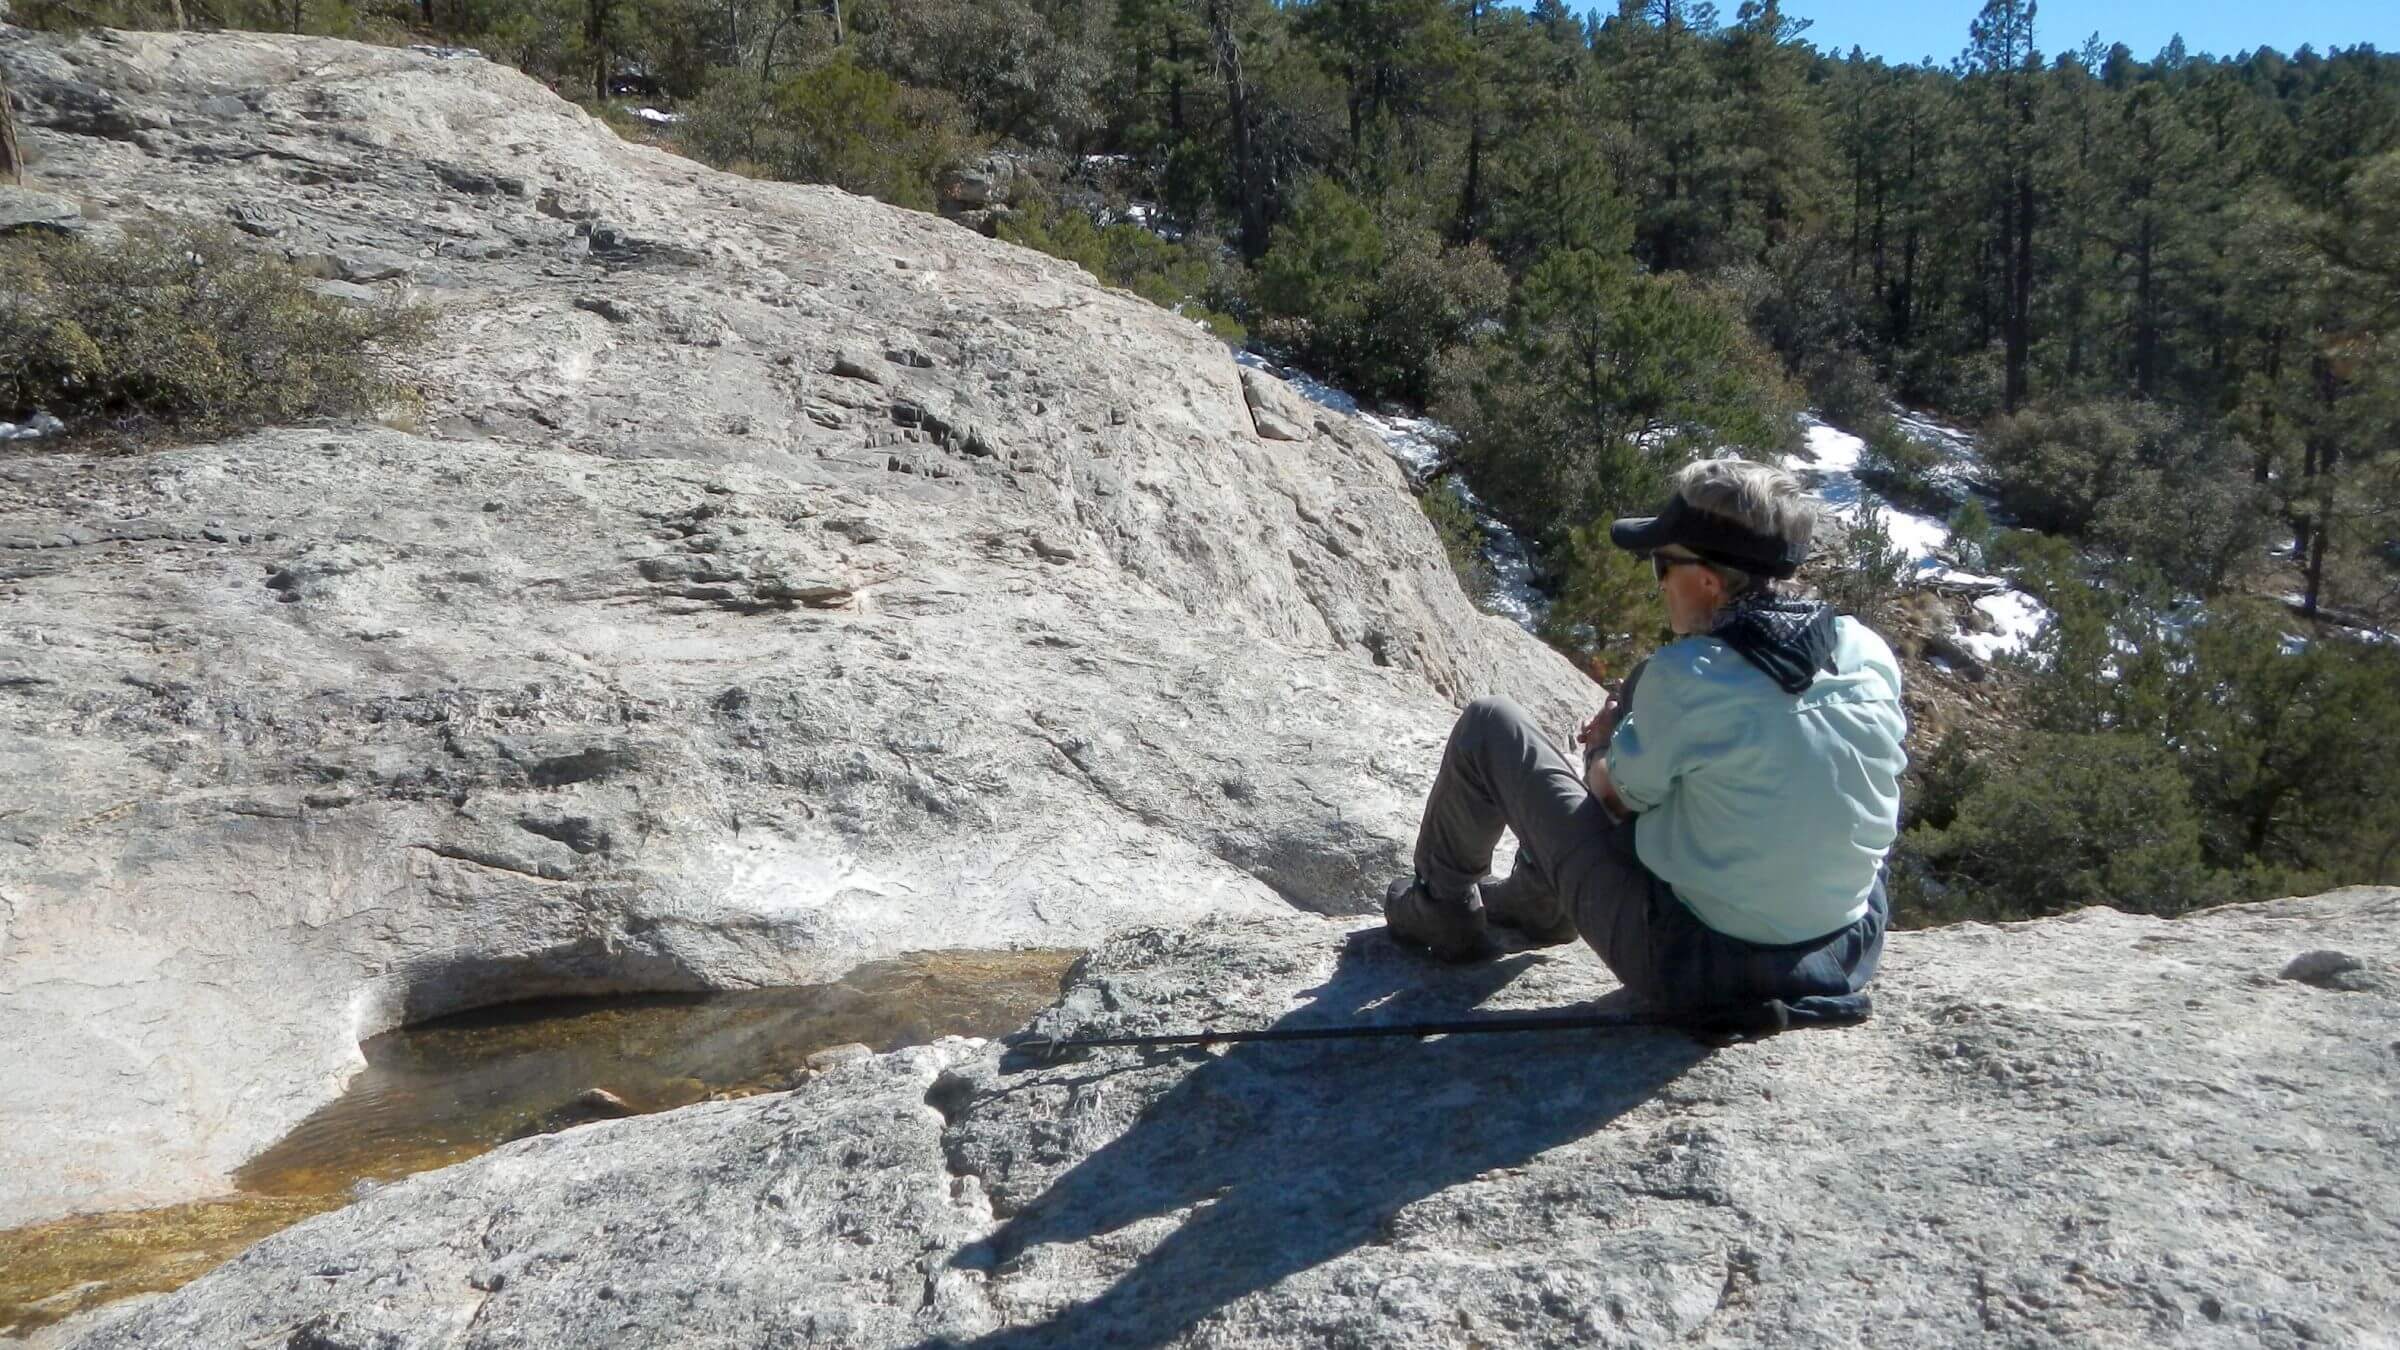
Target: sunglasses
1663 563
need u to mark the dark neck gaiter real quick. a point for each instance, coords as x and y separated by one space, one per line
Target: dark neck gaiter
1791 640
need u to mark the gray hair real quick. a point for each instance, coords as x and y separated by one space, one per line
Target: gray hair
1758 497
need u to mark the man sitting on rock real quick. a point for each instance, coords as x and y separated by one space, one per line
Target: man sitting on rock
1723 848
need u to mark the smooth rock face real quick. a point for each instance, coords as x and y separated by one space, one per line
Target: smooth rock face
658 654
2102 1129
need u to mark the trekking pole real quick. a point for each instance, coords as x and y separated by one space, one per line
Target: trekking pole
1053 1047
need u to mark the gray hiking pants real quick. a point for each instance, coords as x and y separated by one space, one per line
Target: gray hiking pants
1499 771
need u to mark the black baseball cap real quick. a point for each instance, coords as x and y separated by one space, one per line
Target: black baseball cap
1719 539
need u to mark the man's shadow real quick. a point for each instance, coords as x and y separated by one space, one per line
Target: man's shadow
1289 1154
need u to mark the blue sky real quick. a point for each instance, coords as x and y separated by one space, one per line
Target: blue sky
1907 30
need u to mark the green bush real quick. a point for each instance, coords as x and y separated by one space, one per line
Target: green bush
1372 308
1867 571
837 122
1189 277
2098 819
1462 538
1607 615
1944 779
1900 466
1604 381
2293 752
1843 389
2196 517
181 326
2054 469
1971 535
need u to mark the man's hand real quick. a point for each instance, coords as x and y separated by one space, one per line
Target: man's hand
1595 777
1597 733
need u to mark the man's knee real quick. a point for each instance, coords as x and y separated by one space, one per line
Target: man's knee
1487 714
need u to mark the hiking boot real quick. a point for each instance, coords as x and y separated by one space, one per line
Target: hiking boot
1532 909
1452 930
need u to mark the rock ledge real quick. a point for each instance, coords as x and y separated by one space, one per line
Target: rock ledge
2099 1130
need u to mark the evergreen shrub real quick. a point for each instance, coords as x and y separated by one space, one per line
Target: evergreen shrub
2097 819
1190 277
2055 468
1373 308
837 122
181 326
1900 466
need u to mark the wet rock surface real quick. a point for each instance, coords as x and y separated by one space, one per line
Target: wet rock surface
770 581
2102 1129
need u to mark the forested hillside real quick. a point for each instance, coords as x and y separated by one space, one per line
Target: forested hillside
2165 291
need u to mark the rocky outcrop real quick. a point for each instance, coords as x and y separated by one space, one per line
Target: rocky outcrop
770 580
2096 1130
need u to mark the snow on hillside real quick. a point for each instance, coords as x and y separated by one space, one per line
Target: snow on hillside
1421 444
1833 470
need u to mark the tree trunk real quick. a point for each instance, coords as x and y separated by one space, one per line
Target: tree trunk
2020 293
2323 457
1174 83
595 33
12 160
1251 192
1470 198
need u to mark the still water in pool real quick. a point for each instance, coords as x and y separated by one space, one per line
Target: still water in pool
445 1091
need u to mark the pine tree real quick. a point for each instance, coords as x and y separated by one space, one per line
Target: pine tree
2001 57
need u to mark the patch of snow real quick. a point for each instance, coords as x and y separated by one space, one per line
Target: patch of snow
1145 215
657 118
2295 600
1831 468
1421 444
33 428
1834 452
2016 619
1959 445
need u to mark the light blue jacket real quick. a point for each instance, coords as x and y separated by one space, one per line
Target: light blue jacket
1768 813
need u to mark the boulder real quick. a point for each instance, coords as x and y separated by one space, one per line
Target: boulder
300 741
984 183
26 209
1277 412
2100 1130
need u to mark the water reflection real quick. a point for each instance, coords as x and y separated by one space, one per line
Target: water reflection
445 1091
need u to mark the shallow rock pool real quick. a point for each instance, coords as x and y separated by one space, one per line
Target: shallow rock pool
447 1090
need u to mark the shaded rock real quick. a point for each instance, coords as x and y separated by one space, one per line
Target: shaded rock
26 209
479 182
79 108
258 219
2087 1130
987 182
606 307
2328 970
